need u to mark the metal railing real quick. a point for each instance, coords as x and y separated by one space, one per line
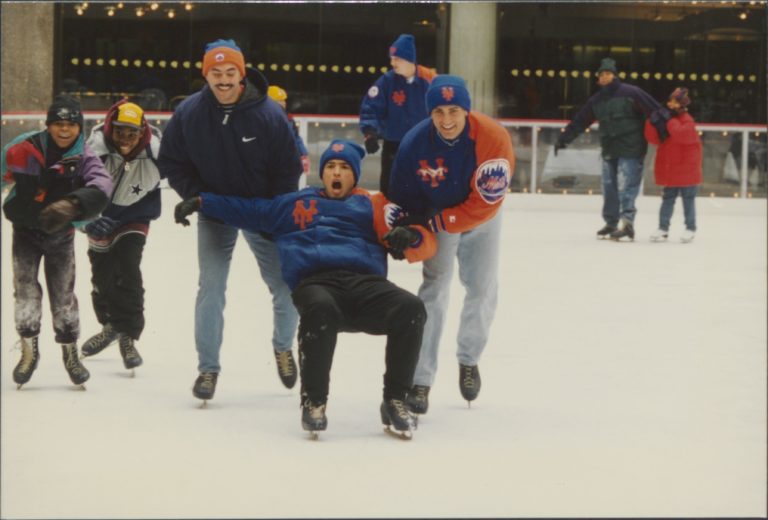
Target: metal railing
734 163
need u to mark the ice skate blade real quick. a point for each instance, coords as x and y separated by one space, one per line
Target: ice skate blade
18 386
204 404
313 436
403 436
133 374
81 387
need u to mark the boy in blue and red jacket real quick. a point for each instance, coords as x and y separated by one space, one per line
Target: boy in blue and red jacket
333 244
455 169
56 179
394 104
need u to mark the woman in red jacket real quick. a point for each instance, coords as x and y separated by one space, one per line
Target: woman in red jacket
678 163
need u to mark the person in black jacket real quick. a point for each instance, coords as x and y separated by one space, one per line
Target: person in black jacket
231 139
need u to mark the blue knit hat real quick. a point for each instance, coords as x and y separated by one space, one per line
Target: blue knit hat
608 64
348 151
404 48
447 89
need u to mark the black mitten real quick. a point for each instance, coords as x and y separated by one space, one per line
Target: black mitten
186 208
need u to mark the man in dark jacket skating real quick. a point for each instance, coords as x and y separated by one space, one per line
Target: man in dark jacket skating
621 110
231 139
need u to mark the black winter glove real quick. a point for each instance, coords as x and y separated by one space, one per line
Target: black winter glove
101 227
658 119
57 215
371 143
559 145
399 239
186 208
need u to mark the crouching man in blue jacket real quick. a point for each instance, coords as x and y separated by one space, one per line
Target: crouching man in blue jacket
333 244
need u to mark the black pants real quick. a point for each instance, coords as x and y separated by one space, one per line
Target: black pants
57 252
343 301
388 152
118 289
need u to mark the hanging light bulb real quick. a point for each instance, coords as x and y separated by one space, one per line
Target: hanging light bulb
154 6
171 13
188 6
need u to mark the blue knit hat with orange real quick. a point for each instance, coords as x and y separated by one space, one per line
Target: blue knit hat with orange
447 89
223 51
348 151
404 48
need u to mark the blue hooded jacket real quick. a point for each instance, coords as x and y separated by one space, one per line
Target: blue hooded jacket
250 152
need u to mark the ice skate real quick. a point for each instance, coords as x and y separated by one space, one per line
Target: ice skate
286 368
417 399
77 372
605 231
469 382
687 236
313 418
660 235
28 362
396 418
625 231
205 387
131 357
99 342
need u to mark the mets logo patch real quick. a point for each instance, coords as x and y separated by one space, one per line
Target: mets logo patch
373 91
219 56
492 180
337 147
398 97
447 93
393 213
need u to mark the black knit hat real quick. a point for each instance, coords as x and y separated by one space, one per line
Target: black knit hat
65 108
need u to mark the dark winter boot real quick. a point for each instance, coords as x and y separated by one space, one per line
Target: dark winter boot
625 231
397 418
205 385
77 372
100 341
28 362
131 357
469 382
313 417
418 399
605 231
286 368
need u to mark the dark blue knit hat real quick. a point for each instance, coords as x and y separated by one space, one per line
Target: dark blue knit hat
348 151
65 108
608 64
404 48
447 89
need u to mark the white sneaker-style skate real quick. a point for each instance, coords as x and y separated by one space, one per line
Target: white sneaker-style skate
687 236
659 236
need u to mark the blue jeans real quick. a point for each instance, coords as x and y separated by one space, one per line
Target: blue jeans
688 194
621 186
477 251
215 243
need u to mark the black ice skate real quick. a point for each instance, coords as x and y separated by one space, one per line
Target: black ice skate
99 342
625 231
77 372
313 418
605 231
205 386
396 418
131 357
469 382
28 362
417 399
286 368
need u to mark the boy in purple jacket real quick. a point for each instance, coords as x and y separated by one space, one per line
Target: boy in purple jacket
56 179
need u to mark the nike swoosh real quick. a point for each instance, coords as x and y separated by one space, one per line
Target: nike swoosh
248 139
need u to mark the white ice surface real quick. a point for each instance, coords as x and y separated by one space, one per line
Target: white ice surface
620 380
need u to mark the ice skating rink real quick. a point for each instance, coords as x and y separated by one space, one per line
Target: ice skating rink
622 379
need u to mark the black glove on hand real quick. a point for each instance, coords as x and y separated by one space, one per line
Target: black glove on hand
101 227
559 145
371 143
186 208
399 239
58 215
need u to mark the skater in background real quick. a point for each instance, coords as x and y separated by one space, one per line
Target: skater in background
333 242
128 147
455 169
678 163
56 179
280 96
229 139
621 110
394 104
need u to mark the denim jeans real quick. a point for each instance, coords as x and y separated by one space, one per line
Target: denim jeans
477 251
621 186
215 243
688 194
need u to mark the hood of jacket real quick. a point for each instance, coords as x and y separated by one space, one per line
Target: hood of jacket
141 145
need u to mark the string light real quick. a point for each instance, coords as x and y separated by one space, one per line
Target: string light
171 13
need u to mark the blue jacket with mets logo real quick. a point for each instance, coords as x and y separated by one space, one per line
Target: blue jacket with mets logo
459 185
314 233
